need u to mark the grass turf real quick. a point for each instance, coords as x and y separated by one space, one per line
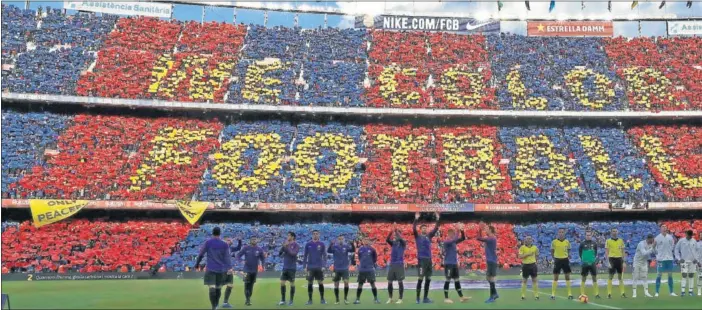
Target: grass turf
191 294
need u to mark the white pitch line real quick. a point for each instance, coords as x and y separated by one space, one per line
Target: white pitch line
575 300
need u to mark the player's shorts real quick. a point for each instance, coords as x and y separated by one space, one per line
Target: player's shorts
218 279
426 268
366 276
688 267
288 275
616 265
491 269
590 269
561 265
315 274
341 275
640 271
396 272
530 270
451 271
250 277
664 266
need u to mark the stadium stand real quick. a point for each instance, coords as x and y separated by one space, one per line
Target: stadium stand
219 62
89 245
25 137
660 74
557 74
672 154
94 246
93 156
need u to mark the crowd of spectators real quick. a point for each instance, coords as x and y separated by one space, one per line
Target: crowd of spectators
220 62
25 137
95 156
674 158
89 245
140 245
554 73
117 157
48 52
542 166
661 74
420 70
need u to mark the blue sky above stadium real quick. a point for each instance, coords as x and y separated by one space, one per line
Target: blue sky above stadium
476 9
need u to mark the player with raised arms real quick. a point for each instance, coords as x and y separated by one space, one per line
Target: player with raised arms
423 240
396 270
450 245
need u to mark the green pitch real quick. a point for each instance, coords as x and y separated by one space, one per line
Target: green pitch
191 294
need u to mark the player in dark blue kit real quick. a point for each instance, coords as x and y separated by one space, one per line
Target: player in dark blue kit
367 257
341 250
219 265
423 241
487 236
229 281
450 246
396 270
252 255
289 252
315 259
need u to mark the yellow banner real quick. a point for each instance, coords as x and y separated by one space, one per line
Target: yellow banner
46 211
192 210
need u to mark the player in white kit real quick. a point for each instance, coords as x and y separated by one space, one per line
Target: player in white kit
643 253
686 255
664 258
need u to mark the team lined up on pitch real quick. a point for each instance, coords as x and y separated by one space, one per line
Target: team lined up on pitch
219 269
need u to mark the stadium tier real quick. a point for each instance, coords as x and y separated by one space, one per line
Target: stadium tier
108 157
148 58
97 245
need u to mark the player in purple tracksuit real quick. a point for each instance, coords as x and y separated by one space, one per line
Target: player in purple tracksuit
289 252
367 257
219 265
341 250
423 241
490 241
252 255
230 277
315 259
450 246
397 262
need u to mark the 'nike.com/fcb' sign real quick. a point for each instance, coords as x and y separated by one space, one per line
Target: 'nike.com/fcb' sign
424 23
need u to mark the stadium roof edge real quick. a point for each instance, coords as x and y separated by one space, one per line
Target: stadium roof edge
361 111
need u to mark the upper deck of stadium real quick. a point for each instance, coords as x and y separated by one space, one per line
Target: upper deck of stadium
107 60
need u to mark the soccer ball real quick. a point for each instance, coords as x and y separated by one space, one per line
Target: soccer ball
583 299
